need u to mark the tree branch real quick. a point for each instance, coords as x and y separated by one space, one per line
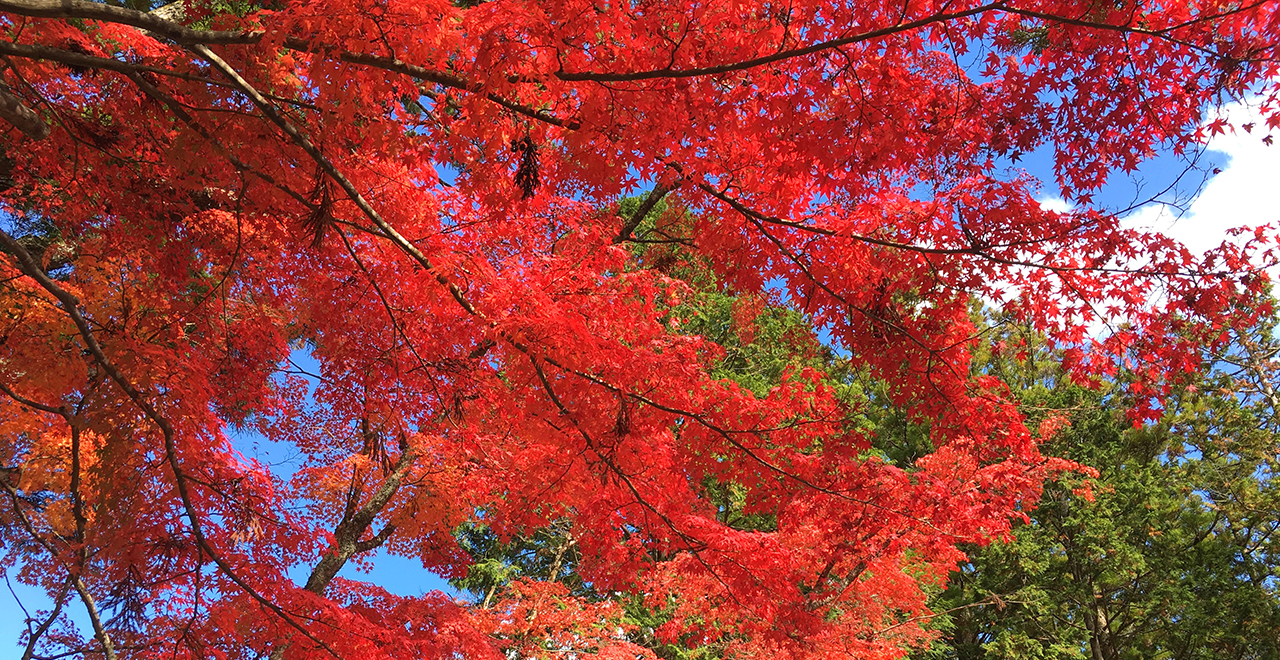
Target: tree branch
154 24
91 608
779 56
50 54
71 306
157 26
352 527
651 200
330 169
730 67
14 111
34 637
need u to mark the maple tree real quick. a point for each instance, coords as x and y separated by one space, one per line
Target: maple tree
420 194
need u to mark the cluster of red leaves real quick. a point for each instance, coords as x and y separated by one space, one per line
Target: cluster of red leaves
226 188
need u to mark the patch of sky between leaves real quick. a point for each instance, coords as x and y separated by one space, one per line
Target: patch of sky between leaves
399 575
1230 183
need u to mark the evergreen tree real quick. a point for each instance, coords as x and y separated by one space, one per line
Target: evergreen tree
1171 554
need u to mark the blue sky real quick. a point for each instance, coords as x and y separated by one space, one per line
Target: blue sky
1244 191
398 575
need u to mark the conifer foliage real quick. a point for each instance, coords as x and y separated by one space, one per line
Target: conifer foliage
418 193
1172 554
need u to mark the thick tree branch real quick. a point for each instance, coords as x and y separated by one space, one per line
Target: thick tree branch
61 411
348 532
352 527
152 23
50 54
651 200
14 111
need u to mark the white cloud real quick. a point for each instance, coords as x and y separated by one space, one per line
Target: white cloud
1245 193
1056 204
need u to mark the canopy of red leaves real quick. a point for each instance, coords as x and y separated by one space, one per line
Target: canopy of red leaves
220 185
